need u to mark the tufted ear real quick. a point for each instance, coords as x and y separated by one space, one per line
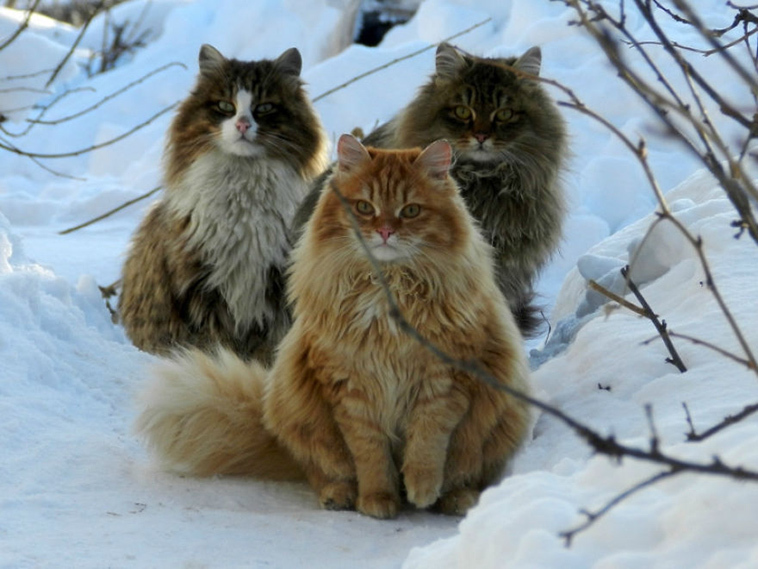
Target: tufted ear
350 153
436 159
530 62
448 61
210 58
290 62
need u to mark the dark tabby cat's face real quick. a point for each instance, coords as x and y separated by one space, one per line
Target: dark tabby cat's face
486 110
405 204
248 109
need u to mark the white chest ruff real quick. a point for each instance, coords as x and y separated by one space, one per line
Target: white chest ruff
240 210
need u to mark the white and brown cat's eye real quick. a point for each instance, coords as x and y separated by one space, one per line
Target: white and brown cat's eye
264 109
226 107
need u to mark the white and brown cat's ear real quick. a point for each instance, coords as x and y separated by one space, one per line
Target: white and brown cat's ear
436 159
530 62
449 62
350 153
290 62
210 58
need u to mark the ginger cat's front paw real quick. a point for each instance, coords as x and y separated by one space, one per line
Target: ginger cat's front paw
457 502
381 505
338 496
422 486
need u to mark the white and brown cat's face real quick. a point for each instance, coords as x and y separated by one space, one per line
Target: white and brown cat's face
403 201
238 132
247 109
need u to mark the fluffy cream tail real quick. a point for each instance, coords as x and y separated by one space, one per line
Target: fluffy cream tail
202 415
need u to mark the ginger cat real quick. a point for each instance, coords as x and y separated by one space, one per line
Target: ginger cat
370 416
510 146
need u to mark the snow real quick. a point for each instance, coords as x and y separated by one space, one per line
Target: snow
77 489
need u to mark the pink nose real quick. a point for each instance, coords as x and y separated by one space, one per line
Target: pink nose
243 125
385 232
481 137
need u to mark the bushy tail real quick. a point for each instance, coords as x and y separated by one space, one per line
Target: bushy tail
202 415
528 316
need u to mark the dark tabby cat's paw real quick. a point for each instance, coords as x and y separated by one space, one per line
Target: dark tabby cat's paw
338 496
457 502
379 505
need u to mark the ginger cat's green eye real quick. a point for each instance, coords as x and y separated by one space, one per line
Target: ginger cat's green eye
264 109
225 107
410 211
462 112
504 115
364 208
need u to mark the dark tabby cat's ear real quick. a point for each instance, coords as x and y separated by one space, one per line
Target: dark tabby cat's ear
210 58
436 159
290 62
530 62
449 62
350 153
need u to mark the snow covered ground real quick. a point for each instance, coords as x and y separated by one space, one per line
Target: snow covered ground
78 490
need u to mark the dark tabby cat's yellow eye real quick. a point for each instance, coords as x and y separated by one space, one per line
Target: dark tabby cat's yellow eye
264 109
364 208
225 107
504 115
410 211
463 112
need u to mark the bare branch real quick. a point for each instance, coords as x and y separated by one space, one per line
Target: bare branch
111 95
22 27
110 212
74 45
94 146
398 60
592 517
729 420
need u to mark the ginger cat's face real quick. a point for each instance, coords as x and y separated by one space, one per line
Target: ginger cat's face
403 202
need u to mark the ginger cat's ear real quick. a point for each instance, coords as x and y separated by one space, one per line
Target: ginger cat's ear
350 153
530 62
210 58
290 62
436 159
448 61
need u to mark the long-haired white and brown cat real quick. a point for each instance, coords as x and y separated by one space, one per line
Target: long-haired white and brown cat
365 412
207 263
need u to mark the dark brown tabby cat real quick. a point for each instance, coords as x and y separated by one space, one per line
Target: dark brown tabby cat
509 144
206 265
369 415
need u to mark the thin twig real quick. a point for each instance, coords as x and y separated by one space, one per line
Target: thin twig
94 146
22 26
729 420
592 517
660 325
74 45
727 354
616 298
111 212
110 96
398 60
